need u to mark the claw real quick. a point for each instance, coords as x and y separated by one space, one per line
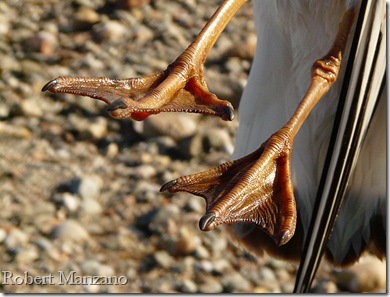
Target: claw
206 221
229 115
49 85
117 104
168 185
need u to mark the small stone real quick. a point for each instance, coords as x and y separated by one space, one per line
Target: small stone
143 34
219 139
94 267
191 147
70 230
175 125
322 286
267 274
204 266
145 191
69 201
16 239
261 290
245 50
218 245
85 18
27 255
195 205
112 31
221 266
130 4
98 128
112 150
163 259
235 282
145 171
188 286
88 187
367 276
31 108
91 207
3 235
186 242
211 286
289 288
42 42
201 252
43 244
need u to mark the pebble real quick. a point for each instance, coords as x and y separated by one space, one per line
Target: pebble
91 207
3 235
85 18
367 276
130 4
267 274
201 252
68 200
211 286
110 31
16 239
222 266
219 139
27 255
163 259
234 282
88 187
188 286
191 147
31 108
70 230
145 191
94 267
98 128
175 125
186 242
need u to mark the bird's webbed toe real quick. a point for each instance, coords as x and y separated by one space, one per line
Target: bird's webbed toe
256 188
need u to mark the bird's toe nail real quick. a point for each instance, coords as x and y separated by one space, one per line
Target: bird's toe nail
229 113
168 185
284 237
206 221
49 85
117 104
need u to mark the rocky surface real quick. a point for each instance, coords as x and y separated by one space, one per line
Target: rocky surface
79 191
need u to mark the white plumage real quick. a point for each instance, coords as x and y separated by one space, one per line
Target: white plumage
291 36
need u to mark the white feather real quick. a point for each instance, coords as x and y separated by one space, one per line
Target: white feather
291 36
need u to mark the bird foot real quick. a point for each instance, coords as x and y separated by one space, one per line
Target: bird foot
180 88
256 188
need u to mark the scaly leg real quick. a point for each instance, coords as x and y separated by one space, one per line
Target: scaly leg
258 188
180 88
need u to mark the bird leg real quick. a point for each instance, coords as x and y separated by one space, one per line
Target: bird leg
180 88
258 188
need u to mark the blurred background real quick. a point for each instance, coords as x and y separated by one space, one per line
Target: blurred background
79 190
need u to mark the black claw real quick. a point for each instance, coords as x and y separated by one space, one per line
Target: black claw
229 113
206 221
49 85
284 238
117 104
168 185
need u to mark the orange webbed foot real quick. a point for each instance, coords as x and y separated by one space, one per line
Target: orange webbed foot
256 188
180 88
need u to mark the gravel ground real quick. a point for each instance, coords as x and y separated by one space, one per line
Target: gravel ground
79 191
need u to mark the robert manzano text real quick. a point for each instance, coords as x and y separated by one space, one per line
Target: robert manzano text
63 279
